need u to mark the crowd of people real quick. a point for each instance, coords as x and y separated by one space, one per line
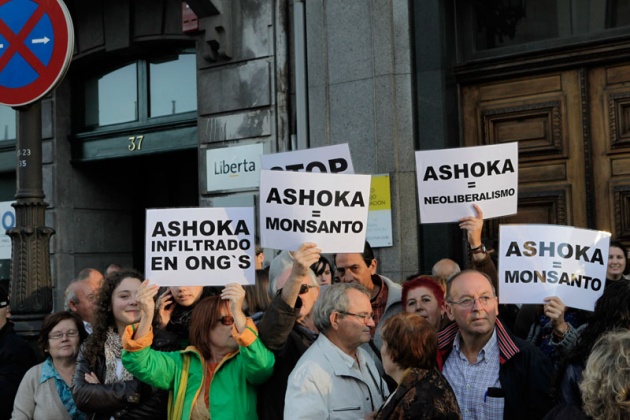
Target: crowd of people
322 337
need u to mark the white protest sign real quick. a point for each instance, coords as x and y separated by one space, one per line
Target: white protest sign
328 209
451 180
333 159
200 246
537 261
7 216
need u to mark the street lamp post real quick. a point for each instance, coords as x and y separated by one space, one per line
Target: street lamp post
31 287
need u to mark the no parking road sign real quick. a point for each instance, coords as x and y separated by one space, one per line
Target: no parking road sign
36 44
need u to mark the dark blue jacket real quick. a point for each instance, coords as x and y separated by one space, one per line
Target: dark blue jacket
16 357
525 373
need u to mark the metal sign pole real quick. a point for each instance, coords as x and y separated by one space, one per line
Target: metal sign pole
31 287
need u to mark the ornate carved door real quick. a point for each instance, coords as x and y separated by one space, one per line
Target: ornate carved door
573 130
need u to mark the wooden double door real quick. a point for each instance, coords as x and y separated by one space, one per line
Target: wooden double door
573 132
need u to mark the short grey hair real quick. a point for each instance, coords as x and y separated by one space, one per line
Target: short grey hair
70 295
279 265
333 298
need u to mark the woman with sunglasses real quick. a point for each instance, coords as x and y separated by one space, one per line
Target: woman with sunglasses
216 376
45 389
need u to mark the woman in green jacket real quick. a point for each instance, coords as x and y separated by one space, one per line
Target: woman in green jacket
216 376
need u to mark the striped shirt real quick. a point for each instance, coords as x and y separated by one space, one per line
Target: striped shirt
476 385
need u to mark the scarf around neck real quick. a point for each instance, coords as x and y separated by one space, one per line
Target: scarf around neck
113 351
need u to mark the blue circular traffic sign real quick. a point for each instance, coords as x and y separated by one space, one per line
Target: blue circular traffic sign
36 44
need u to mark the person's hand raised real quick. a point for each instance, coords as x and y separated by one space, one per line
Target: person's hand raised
145 298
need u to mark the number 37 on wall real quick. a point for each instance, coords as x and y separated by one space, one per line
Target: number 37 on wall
135 143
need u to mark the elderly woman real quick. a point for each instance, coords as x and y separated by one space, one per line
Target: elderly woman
44 392
409 354
424 295
216 376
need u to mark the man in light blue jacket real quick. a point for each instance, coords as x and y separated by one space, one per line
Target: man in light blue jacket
335 378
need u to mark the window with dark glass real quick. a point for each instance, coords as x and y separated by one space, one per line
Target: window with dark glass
494 27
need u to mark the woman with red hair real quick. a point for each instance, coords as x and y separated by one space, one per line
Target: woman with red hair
425 296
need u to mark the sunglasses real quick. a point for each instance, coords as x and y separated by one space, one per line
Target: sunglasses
226 320
305 288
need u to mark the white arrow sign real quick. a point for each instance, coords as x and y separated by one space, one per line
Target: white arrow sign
43 40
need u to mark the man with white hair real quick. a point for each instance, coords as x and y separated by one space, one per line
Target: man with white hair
335 378
81 294
287 327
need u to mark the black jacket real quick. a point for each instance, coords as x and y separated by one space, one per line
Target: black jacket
127 400
288 340
16 357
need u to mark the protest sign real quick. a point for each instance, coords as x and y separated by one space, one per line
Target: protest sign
537 261
451 180
330 159
328 209
200 246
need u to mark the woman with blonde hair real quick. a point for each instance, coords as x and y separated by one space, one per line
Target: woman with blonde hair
605 386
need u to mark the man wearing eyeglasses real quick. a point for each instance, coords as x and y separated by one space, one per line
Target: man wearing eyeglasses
287 326
335 378
493 373
385 295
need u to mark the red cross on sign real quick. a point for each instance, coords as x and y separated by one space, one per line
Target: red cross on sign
36 45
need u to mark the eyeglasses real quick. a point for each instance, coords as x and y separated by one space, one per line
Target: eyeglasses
305 288
468 302
362 317
59 335
226 320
